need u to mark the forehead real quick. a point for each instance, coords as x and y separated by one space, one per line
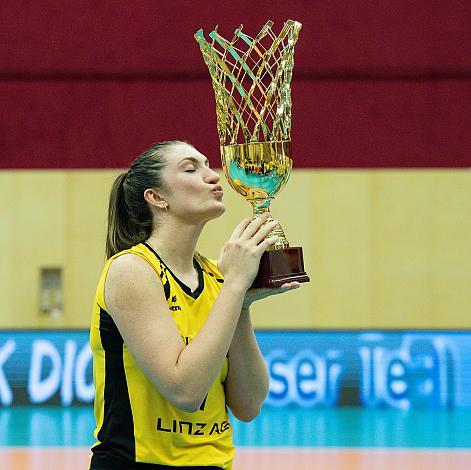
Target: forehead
180 151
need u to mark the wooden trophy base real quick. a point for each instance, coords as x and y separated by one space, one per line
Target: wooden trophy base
280 266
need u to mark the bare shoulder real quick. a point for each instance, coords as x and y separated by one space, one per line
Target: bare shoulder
130 279
129 269
129 263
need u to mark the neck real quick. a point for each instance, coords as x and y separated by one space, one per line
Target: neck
176 245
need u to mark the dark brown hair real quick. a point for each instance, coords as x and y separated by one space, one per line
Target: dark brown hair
129 216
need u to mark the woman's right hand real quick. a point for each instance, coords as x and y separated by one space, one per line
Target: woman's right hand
239 258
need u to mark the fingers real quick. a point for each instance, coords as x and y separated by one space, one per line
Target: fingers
239 230
290 285
262 233
253 295
253 232
252 228
267 243
249 228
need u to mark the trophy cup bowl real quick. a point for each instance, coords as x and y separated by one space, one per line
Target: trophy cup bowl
258 171
251 78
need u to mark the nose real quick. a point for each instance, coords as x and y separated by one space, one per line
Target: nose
211 176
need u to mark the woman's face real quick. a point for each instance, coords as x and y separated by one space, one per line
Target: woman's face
192 191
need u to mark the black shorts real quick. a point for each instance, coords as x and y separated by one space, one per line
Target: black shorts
110 462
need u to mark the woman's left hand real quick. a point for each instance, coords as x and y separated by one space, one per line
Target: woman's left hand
258 294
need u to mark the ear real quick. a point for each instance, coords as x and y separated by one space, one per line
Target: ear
154 198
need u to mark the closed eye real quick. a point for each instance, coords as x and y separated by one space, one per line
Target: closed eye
195 161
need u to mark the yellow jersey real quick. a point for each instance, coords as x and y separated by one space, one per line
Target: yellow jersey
134 422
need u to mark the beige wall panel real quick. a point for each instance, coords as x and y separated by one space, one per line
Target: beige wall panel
35 226
85 231
52 219
383 248
6 260
421 258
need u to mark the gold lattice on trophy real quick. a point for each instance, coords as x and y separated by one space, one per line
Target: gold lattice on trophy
251 80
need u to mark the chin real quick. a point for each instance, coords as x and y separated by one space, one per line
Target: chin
221 210
203 214
216 212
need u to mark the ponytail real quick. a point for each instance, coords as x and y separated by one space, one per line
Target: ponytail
121 231
130 219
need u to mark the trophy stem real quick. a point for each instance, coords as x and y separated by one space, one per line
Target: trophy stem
260 206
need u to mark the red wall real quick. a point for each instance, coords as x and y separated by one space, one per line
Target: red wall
91 84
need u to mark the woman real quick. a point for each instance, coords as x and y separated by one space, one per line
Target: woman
171 333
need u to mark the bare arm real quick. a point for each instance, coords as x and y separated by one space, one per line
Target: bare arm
135 299
183 374
247 382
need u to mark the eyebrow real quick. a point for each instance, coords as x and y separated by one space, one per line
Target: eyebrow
194 160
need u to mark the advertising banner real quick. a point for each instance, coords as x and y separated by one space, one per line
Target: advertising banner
385 369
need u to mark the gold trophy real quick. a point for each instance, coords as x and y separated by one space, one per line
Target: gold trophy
251 80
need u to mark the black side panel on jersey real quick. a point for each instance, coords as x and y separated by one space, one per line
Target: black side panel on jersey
116 435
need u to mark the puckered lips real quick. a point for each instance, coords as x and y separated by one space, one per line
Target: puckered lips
218 191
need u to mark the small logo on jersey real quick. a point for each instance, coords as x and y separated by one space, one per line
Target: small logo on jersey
174 308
